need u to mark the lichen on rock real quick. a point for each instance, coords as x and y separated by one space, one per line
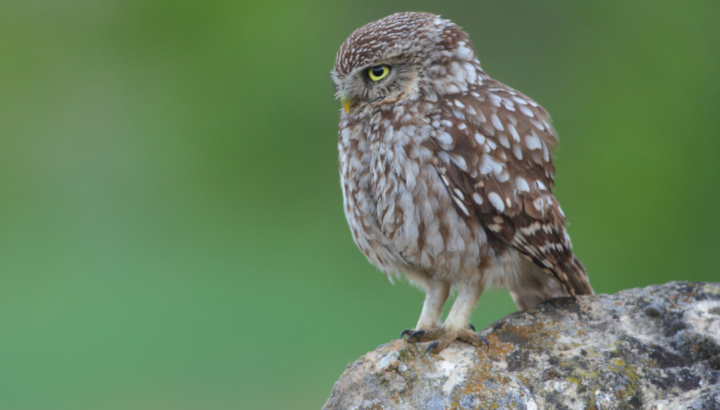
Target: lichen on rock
652 348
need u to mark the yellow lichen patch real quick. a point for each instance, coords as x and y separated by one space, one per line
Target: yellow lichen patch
497 348
591 380
619 366
481 379
525 380
536 335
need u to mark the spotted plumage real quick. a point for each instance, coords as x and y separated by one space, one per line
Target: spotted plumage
447 173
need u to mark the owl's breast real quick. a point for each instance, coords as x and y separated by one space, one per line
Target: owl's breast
360 200
395 201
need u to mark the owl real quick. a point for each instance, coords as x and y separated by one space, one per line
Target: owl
447 174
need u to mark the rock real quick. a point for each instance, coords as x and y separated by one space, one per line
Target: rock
651 348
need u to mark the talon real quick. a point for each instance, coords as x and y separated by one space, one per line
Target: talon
405 332
415 335
482 339
431 346
472 327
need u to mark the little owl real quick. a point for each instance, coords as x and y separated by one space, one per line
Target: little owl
447 174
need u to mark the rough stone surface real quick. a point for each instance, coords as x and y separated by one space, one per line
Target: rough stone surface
651 348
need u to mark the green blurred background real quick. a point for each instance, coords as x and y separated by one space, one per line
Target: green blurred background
171 226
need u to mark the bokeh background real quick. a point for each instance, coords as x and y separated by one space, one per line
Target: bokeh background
171 226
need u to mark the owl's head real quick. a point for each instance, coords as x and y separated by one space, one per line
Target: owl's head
400 58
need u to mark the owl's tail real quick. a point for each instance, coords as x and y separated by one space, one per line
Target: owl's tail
529 284
577 276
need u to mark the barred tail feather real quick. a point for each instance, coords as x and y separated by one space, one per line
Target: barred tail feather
578 278
532 284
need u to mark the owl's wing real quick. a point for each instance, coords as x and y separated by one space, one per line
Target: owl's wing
493 152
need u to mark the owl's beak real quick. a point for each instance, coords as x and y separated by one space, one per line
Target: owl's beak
347 101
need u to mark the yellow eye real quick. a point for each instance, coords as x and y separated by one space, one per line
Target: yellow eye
379 72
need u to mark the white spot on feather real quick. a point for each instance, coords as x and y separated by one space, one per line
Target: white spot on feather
464 53
470 72
445 139
521 184
517 151
533 141
452 89
503 176
461 206
496 201
490 165
525 110
546 152
504 140
496 123
514 133
508 104
539 204
460 162
538 125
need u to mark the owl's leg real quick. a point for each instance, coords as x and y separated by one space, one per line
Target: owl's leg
435 297
457 325
436 294
459 316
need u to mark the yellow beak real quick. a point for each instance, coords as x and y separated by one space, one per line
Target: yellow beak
347 102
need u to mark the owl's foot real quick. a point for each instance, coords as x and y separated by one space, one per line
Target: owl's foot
442 337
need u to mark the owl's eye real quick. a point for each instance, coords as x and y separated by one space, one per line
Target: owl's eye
379 72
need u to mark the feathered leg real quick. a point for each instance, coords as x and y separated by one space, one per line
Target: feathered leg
436 293
435 297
